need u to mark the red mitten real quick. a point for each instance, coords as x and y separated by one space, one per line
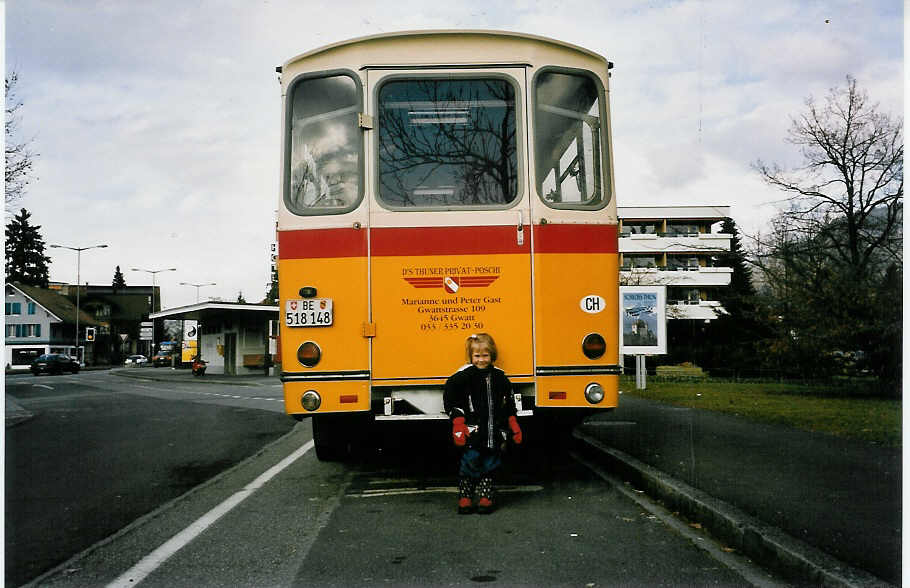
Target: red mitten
460 431
516 430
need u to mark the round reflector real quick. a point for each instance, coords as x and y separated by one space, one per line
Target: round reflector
309 354
310 400
594 393
593 346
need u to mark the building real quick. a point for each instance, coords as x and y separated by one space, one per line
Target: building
40 321
676 246
119 312
234 337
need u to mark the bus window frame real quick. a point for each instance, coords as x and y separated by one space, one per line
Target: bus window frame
479 73
361 164
606 178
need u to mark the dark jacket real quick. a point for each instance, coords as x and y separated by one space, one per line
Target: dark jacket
485 400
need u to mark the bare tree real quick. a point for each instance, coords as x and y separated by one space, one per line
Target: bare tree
850 189
19 157
830 262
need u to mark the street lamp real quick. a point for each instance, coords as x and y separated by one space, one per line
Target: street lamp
154 273
78 251
198 286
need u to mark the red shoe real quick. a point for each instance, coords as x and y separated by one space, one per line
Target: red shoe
484 506
465 506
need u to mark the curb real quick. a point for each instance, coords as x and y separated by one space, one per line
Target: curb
167 376
767 545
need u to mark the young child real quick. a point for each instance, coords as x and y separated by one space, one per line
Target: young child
478 399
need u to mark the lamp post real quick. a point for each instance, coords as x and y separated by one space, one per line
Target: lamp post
78 251
154 274
198 323
198 286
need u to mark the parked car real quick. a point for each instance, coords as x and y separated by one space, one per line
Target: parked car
162 358
54 363
136 360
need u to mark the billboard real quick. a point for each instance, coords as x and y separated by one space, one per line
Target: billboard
643 320
190 339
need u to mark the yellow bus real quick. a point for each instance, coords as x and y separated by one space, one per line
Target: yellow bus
437 184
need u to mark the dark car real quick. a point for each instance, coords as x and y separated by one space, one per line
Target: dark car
162 358
54 363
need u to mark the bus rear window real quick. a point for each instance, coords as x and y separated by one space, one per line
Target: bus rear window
324 174
567 140
447 143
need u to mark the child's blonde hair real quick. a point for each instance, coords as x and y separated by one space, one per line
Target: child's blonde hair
481 340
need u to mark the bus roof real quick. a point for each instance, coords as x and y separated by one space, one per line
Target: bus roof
432 32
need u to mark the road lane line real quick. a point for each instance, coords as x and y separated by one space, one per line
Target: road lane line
152 561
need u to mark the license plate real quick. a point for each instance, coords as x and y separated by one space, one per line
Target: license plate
308 312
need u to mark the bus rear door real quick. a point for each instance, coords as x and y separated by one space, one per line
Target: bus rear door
450 240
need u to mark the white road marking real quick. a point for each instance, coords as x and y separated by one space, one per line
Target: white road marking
152 561
436 490
42 386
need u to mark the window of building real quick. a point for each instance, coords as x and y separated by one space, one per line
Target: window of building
630 261
325 150
32 308
447 143
639 228
683 295
681 262
13 308
568 140
682 229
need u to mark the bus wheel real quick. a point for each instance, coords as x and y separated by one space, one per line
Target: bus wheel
339 437
330 434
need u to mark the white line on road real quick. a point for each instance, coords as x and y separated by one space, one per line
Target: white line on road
435 490
152 561
42 386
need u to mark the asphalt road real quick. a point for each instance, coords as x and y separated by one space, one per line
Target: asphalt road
101 451
387 518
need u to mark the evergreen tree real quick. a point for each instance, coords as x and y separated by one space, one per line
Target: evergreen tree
271 296
240 299
119 281
25 259
732 337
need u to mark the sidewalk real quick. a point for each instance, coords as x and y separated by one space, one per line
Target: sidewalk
746 482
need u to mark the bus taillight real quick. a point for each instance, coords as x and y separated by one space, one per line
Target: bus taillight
593 346
309 354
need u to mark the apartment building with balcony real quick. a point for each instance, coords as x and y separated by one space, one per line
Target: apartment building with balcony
678 247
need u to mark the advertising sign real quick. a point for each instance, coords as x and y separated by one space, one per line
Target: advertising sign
190 339
643 320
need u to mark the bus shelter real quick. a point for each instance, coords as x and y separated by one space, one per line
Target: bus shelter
234 338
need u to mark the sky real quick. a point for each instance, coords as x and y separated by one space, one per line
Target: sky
157 124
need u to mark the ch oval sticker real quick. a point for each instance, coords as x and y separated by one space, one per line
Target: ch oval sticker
592 304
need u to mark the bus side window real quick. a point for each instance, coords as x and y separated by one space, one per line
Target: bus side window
325 152
567 139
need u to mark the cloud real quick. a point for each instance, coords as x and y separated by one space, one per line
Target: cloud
159 129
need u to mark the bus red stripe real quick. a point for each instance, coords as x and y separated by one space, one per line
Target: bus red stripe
551 238
446 241
349 242
316 243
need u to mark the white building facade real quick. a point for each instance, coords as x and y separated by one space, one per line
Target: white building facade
677 247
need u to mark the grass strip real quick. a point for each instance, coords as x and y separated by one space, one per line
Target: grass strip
810 407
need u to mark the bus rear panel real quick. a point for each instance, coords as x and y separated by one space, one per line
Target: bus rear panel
424 201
